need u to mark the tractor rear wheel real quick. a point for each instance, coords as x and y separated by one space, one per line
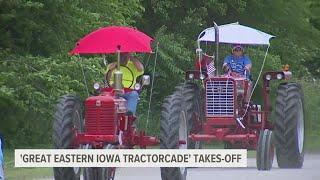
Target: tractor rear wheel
182 114
192 107
68 118
289 126
172 129
265 150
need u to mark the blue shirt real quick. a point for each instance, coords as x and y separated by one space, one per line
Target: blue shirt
237 64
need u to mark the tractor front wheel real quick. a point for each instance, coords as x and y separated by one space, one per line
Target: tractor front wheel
289 126
265 150
90 173
68 118
107 173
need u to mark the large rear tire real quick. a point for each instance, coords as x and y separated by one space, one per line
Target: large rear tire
289 126
68 118
182 114
170 135
192 107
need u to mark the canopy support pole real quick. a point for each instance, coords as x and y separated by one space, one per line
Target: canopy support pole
256 83
84 76
151 90
118 59
216 30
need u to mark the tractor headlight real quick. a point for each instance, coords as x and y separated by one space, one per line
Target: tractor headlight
145 80
240 88
202 76
96 86
279 76
268 77
191 76
121 105
137 86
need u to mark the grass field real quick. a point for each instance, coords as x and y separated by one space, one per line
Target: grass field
12 173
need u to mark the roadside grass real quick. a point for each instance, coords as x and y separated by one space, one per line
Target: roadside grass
313 144
13 173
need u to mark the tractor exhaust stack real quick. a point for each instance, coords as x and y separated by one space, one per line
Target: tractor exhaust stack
118 74
216 30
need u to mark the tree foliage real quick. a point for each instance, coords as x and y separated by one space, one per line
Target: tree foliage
36 35
48 27
34 67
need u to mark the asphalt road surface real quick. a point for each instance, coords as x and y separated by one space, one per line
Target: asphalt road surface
310 171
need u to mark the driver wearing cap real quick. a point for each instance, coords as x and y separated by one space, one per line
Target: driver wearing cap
238 63
136 69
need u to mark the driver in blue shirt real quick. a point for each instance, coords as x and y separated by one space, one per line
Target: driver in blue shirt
238 63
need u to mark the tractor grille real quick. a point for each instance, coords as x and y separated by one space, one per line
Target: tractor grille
219 98
100 119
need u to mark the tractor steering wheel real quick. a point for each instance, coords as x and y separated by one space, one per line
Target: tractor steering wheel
127 76
235 74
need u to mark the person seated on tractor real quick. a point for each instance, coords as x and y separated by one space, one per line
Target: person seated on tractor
134 68
238 64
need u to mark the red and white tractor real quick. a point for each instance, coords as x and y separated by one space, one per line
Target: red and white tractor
218 107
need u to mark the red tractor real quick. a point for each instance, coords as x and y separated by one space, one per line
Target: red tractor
101 122
218 107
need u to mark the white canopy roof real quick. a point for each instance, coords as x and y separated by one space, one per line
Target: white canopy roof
235 33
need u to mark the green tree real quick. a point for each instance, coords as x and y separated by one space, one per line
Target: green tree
34 67
36 35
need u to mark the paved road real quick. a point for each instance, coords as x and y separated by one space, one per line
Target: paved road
310 171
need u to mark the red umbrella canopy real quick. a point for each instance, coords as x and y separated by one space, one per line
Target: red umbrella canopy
109 39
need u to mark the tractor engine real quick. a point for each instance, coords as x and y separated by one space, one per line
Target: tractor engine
226 96
102 113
